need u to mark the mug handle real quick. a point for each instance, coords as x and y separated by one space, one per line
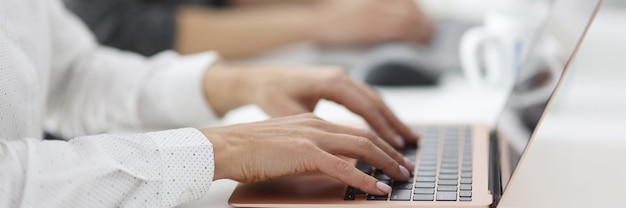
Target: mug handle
471 42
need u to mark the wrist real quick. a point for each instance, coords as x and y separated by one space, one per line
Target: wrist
225 88
220 153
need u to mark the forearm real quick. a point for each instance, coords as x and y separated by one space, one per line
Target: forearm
99 89
241 31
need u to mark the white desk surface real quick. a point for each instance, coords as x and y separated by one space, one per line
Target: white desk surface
578 158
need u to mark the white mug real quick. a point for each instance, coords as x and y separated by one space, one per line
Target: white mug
499 47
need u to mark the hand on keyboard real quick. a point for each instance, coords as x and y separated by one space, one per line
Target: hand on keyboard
285 91
289 145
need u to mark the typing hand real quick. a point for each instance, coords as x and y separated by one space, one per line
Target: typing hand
349 22
289 91
302 143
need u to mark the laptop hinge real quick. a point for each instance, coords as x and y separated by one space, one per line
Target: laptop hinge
495 178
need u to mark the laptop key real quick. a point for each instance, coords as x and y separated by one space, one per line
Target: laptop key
350 193
381 176
428 162
466 193
466 174
400 195
423 197
424 185
364 167
429 155
426 179
448 176
446 188
463 198
450 152
377 198
450 158
448 182
402 185
450 166
446 196
466 187
349 197
449 171
426 173
427 168
359 192
466 180
424 191
453 163
410 179
409 151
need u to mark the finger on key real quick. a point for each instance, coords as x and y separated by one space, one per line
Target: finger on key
364 149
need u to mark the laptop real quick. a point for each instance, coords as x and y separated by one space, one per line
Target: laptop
456 165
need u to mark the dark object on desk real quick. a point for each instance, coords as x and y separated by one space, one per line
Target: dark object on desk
398 73
48 136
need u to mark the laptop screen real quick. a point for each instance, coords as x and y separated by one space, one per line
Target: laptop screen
552 48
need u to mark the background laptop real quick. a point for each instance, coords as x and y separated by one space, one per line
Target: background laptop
456 165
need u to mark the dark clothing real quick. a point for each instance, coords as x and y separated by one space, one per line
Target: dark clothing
143 26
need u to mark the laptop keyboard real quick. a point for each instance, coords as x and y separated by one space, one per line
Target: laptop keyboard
444 169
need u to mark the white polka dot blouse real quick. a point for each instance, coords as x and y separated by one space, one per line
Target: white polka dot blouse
55 77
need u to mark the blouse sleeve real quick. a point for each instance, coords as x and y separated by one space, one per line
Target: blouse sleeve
159 169
95 89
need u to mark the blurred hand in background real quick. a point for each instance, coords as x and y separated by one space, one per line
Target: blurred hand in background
365 22
244 28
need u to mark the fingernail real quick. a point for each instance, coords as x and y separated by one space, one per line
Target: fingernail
399 141
404 171
383 187
409 164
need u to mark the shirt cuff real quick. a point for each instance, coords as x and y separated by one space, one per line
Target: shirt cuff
174 95
187 167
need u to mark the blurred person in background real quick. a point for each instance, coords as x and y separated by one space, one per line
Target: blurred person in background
55 77
243 28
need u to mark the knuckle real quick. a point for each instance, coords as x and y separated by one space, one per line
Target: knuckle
313 122
370 108
305 118
343 167
363 143
304 145
367 133
399 28
308 115
336 74
297 132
